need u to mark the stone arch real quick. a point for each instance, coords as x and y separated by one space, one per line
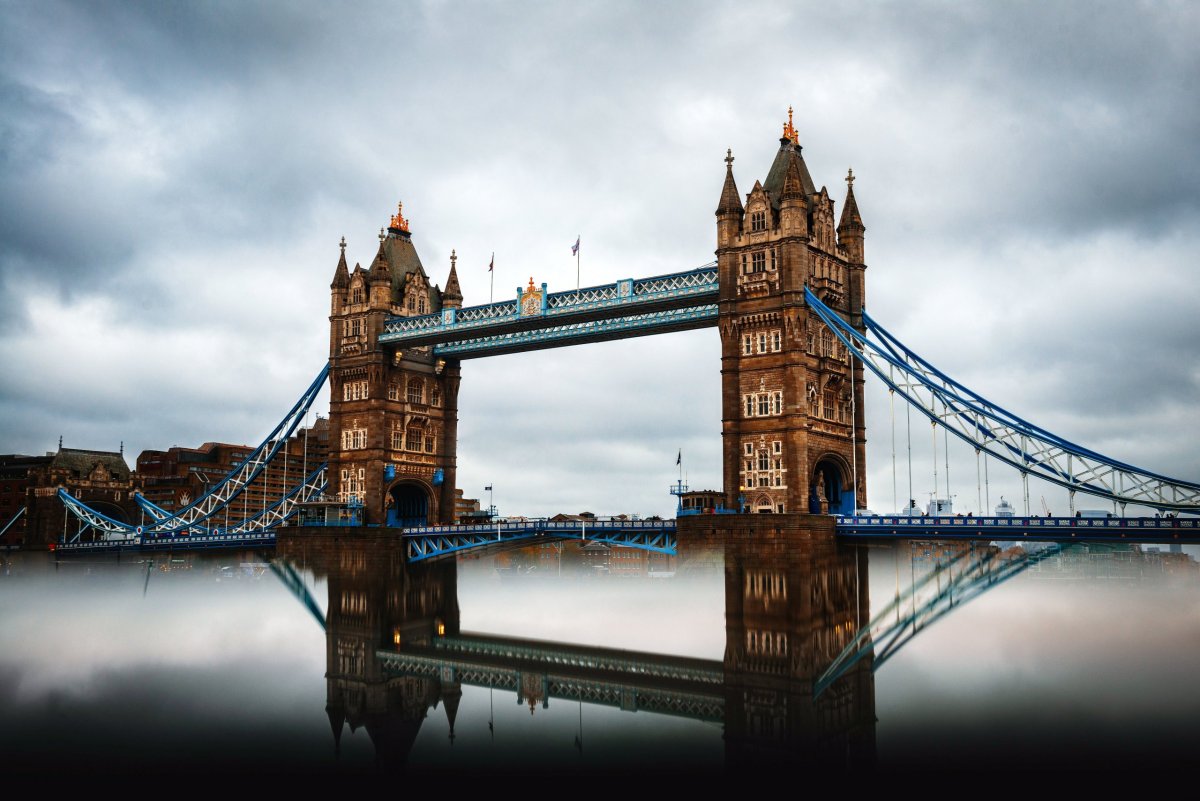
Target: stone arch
762 505
410 502
830 488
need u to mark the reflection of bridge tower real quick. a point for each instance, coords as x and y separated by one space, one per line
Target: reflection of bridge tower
375 602
393 415
790 608
793 432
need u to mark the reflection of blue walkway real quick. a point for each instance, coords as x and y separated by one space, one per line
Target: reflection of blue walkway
537 671
431 541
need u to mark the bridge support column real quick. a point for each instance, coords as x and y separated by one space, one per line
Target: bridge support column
451 378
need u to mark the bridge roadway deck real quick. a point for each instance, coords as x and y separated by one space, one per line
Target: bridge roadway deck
660 535
1136 529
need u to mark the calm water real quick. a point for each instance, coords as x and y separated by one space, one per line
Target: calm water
334 657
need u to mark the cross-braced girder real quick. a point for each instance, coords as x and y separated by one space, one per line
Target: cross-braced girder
216 499
999 433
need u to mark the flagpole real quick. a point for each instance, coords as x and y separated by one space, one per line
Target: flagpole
492 273
577 238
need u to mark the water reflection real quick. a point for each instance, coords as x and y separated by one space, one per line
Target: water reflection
396 653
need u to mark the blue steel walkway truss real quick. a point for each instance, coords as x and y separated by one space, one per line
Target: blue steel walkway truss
626 308
434 541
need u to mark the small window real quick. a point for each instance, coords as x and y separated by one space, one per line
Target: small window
758 221
357 295
777 447
762 343
420 305
776 341
416 391
749 405
747 344
435 395
749 449
759 261
764 404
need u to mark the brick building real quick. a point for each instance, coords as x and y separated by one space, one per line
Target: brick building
792 407
393 416
100 479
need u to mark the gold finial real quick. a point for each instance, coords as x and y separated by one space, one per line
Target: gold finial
531 286
850 177
342 245
789 130
398 221
729 157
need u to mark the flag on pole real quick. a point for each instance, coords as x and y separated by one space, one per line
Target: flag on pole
575 247
679 458
488 488
492 263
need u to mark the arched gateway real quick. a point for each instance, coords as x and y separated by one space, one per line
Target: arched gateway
792 401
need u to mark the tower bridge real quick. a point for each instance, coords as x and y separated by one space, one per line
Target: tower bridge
787 293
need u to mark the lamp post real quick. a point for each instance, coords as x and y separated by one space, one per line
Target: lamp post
492 509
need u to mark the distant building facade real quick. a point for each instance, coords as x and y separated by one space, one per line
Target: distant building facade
793 435
100 479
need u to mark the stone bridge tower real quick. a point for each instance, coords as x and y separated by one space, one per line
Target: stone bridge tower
793 435
393 414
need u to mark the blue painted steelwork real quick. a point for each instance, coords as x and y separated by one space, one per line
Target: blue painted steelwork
622 299
1136 529
601 330
295 584
998 433
215 500
253 530
625 679
428 542
8 525
952 583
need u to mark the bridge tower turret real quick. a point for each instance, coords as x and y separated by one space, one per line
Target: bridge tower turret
393 414
792 433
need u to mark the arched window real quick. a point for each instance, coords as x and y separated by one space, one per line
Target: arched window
435 395
758 221
420 305
357 295
416 391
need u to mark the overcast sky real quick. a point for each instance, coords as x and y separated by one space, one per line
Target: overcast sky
175 177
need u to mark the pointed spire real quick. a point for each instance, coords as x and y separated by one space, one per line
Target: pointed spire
789 130
793 182
452 294
381 269
851 219
341 276
398 223
731 202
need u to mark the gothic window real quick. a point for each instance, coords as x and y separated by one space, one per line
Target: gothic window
774 257
777 405
354 438
764 462
828 402
412 303
416 391
776 341
758 221
777 447
415 438
809 346
764 404
397 440
826 343
435 395
749 405
749 449
354 390
356 326
759 261
762 343
393 391
420 305
744 264
747 344
429 441
357 295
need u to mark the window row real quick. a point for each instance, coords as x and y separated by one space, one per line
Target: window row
765 584
766 643
414 439
354 484
759 261
414 392
763 467
352 327
763 404
826 345
354 439
354 390
828 406
762 342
